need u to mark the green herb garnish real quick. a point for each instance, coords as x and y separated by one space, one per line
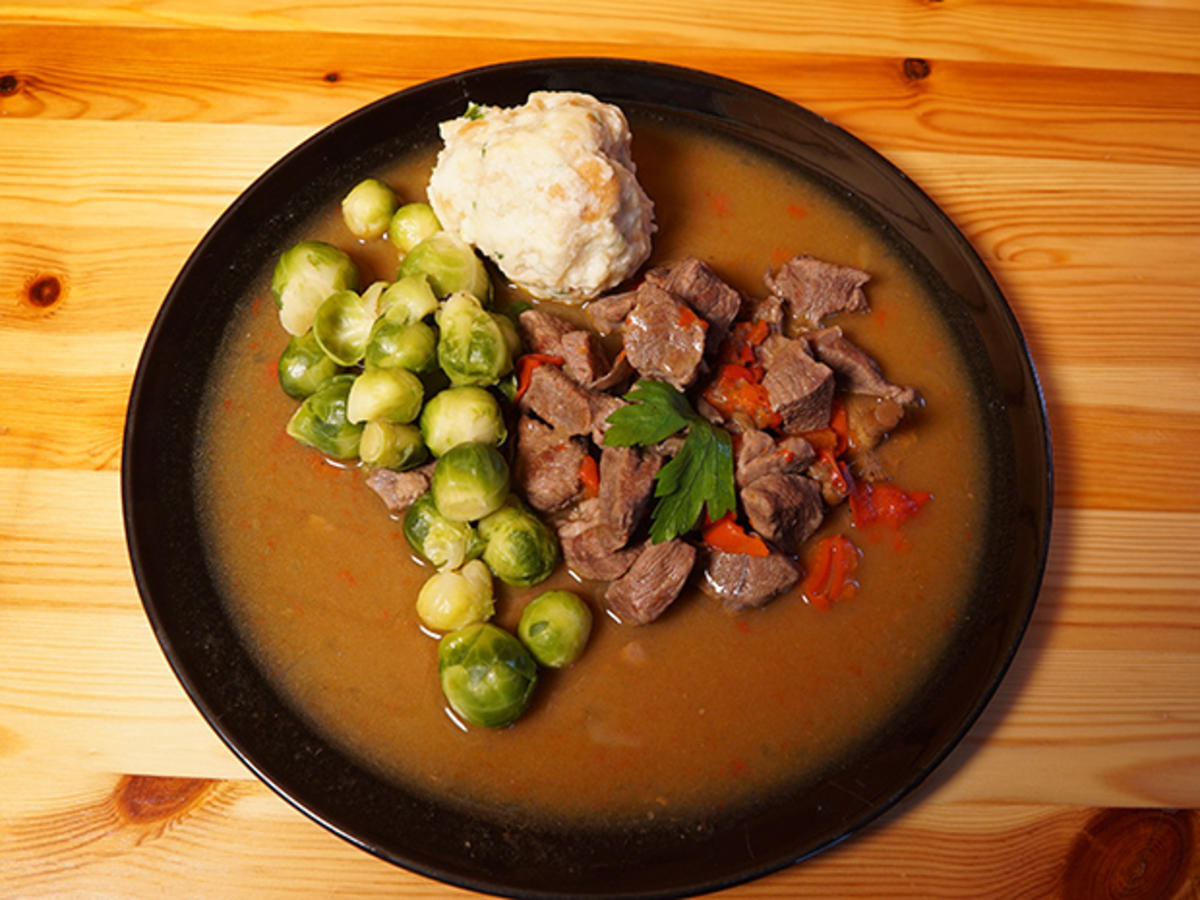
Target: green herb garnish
474 111
700 475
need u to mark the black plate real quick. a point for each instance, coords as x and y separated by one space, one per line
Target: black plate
223 680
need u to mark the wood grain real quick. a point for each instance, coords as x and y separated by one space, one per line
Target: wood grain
1063 138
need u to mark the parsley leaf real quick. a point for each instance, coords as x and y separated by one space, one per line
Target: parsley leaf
655 412
701 474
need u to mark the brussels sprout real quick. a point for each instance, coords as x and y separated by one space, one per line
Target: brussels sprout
459 415
410 299
472 347
402 345
507 387
393 395
388 445
487 674
520 549
342 326
368 208
304 276
450 264
555 626
438 540
411 224
454 599
511 336
321 420
469 481
303 366
370 297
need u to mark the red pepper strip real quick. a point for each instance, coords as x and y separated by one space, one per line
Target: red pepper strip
589 474
525 366
840 426
836 474
828 580
687 317
726 534
881 501
736 389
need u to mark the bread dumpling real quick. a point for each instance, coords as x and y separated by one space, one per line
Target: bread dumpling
548 191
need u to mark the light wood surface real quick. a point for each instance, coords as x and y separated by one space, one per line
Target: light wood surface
1062 137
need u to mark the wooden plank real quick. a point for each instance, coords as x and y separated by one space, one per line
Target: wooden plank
960 106
1088 34
236 840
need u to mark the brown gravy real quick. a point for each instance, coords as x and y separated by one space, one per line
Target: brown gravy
701 709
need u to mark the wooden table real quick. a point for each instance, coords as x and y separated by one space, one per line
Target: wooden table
1062 137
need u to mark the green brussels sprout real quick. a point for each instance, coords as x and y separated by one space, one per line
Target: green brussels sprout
321 421
411 224
454 599
472 347
390 445
304 276
487 675
511 336
368 208
370 297
469 481
393 395
555 626
444 543
451 266
303 366
342 326
507 387
519 547
410 299
402 345
459 415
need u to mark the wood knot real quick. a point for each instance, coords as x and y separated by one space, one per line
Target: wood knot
8 84
333 77
1130 853
147 799
44 291
916 68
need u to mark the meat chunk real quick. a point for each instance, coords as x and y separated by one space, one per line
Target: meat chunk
800 388
608 313
399 489
617 375
602 406
664 339
589 546
652 582
855 368
697 285
834 487
814 289
759 454
741 582
785 509
626 483
542 331
584 359
869 419
558 400
547 464
767 309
